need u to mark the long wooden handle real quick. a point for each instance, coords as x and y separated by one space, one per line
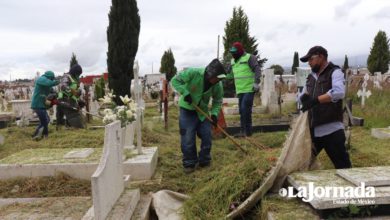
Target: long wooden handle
220 128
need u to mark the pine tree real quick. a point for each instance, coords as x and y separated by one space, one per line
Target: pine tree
379 57
345 66
278 69
73 60
122 36
168 64
295 63
237 29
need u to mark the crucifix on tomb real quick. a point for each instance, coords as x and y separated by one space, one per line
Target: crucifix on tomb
364 93
137 94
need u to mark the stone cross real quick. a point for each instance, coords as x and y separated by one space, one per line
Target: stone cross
137 93
364 93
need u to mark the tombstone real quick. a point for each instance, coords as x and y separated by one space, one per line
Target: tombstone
364 93
301 75
107 181
138 97
269 98
378 80
22 108
3 103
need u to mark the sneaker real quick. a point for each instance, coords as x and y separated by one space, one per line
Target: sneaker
37 138
188 170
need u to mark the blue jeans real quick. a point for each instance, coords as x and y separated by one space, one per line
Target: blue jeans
190 126
43 122
245 103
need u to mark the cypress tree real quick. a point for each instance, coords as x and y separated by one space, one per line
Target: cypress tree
237 29
295 63
168 64
73 60
346 65
122 36
379 57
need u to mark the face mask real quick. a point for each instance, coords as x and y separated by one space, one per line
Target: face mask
316 68
236 56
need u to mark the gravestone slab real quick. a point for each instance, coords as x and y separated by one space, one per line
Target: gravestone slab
381 133
82 153
371 176
329 178
141 166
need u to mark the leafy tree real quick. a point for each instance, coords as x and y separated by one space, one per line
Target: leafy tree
295 63
168 64
379 57
345 66
237 29
73 60
278 69
122 36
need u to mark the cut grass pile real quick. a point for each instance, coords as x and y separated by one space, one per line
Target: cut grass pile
230 179
57 186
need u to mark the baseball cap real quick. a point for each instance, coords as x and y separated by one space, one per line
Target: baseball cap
316 50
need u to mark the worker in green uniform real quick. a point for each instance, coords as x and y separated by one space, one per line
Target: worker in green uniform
196 86
246 72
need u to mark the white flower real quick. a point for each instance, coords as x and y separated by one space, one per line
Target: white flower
125 99
111 94
132 105
108 111
106 99
129 114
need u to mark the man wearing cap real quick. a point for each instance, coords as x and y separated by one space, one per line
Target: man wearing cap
196 86
322 97
246 72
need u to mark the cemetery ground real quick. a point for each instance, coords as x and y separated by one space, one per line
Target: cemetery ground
232 176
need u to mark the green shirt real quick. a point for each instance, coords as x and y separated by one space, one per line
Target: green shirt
191 81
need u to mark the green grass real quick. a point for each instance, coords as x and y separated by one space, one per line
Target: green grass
232 175
49 156
18 139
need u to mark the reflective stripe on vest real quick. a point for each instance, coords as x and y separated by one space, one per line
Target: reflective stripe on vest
243 75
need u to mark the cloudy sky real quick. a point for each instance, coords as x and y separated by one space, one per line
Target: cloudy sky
41 35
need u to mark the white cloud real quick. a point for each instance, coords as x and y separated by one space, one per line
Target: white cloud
40 35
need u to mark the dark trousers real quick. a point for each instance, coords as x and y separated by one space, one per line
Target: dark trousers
43 122
190 126
73 117
334 145
245 103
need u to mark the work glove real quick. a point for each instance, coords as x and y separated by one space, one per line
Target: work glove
256 87
308 102
188 99
214 120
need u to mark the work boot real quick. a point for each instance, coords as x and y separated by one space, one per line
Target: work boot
188 170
